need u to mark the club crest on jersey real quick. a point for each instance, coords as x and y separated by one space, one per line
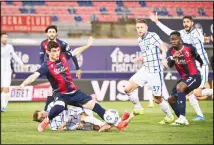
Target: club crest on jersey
187 53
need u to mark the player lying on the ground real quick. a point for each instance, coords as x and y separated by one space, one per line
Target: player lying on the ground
57 71
183 56
73 118
194 36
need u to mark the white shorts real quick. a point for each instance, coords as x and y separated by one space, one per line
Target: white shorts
156 80
5 78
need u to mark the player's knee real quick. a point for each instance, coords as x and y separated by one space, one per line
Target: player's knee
179 89
127 90
157 99
197 93
171 100
89 105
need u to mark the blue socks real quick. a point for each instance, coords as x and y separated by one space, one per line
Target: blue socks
99 110
175 108
181 102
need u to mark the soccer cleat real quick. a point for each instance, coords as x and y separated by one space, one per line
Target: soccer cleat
181 121
151 105
105 127
167 120
138 111
122 125
43 125
3 109
125 116
199 118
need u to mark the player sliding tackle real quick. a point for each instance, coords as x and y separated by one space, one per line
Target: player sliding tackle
191 35
183 57
64 91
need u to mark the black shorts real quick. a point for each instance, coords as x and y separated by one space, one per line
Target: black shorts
77 99
192 82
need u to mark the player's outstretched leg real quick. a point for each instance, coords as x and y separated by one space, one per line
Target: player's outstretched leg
4 99
131 91
58 107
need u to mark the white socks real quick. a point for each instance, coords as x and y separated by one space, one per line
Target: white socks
165 108
94 121
150 96
194 103
4 99
133 97
207 92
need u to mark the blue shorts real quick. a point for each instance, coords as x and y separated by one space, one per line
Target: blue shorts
192 82
77 99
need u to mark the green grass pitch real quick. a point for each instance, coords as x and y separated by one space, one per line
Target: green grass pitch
17 127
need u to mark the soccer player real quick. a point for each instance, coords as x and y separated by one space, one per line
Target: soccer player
7 53
70 119
183 56
56 70
191 35
151 71
51 32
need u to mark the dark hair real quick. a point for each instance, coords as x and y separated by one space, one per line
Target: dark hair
141 21
35 116
3 33
51 27
52 44
188 17
175 33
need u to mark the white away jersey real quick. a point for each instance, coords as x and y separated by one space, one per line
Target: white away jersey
71 116
7 52
196 38
150 48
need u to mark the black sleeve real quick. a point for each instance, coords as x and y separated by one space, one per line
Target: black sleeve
74 58
196 55
42 53
169 59
12 67
43 70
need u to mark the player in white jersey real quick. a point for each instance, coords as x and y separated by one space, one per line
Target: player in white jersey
151 71
191 35
74 118
7 53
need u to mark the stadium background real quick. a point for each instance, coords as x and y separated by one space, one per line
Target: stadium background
107 64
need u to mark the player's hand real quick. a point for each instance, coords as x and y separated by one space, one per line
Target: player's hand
137 60
176 54
90 41
79 74
14 76
79 126
206 38
153 17
164 62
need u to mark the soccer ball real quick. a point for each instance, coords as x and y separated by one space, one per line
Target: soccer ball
111 116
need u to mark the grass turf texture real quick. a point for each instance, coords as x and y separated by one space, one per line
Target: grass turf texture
17 127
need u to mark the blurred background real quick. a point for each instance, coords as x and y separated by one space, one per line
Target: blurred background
107 65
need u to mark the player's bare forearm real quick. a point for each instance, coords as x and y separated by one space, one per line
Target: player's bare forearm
30 79
74 58
163 49
79 50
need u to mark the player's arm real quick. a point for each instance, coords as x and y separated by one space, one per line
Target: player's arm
79 50
170 59
164 28
197 56
15 56
40 72
42 53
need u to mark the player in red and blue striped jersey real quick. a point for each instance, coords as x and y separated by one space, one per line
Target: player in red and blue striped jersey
57 71
51 32
183 56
